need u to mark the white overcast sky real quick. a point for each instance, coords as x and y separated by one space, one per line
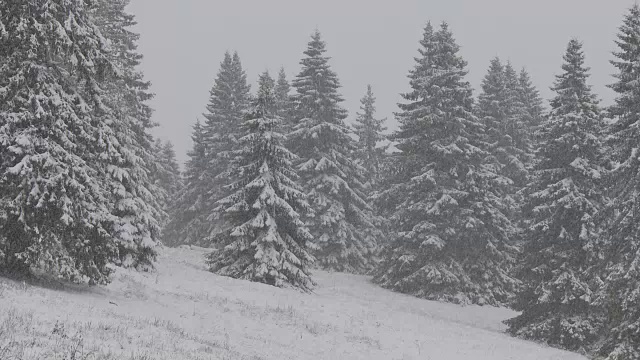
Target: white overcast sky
370 41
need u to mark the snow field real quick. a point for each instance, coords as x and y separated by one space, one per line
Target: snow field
182 311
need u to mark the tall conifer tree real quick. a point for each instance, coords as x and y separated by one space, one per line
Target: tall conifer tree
532 113
370 134
564 197
329 173
228 102
57 215
530 98
129 158
284 102
268 240
451 239
619 295
187 215
517 131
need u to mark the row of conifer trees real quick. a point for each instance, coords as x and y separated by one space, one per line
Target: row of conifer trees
491 201
276 181
81 179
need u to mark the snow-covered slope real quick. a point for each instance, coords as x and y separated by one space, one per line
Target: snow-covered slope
184 312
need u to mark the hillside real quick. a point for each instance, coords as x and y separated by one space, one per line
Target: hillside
182 311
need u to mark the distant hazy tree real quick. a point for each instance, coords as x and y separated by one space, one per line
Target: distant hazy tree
370 134
189 209
284 102
166 175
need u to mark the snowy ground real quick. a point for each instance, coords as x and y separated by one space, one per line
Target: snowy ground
184 312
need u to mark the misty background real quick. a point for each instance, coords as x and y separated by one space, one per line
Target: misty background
370 42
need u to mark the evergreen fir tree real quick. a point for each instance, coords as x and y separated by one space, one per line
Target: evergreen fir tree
500 110
494 112
517 130
619 294
56 212
450 236
284 102
564 197
370 134
532 113
229 99
187 215
268 241
530 98
330 175
128 160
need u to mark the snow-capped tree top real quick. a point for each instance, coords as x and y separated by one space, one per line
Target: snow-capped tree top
317 85
529 97
573 92
367 127
626 62
440 105
282 88
491 100
574 123
230 94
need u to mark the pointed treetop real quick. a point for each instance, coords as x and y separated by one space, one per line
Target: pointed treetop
282 75
427 37
266 91
511 76
317 85
571 86
282 86
368 128
370 133
530 98
447 56
316 47
495 74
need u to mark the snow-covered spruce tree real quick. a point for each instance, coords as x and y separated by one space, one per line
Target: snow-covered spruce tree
619 295
493 109
565 194
268 240
502 114
500 110
516 130
450 237
128 159
330 175
530 99
188 213
228 102
531 117
56 213
370 133
284 102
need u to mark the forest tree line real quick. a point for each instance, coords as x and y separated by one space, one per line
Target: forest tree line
492 200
